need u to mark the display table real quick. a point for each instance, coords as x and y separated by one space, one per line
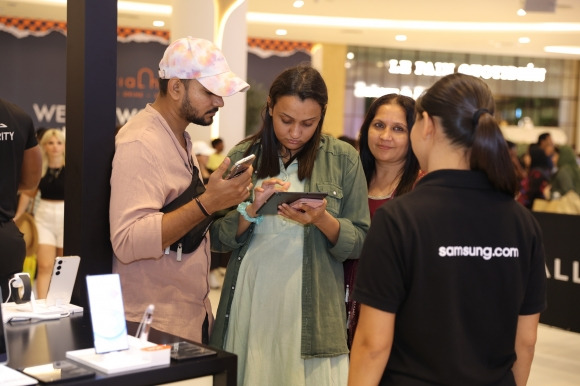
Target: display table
38 343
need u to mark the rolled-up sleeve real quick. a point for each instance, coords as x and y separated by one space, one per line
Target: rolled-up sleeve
137 194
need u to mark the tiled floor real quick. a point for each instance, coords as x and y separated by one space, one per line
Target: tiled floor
557 358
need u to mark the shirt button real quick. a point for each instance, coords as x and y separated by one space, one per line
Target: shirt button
227 315
233 287
334 192
239 258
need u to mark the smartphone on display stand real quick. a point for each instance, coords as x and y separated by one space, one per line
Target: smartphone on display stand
241 166
107 313
62 281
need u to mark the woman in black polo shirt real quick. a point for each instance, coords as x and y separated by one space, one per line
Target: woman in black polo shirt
451 277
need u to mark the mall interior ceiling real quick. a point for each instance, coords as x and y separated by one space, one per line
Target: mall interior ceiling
468 26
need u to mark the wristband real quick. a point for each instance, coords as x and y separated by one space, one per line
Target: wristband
242 209
203 210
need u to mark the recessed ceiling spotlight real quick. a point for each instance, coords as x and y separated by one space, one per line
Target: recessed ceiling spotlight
135 7
350 56
281 32
524 40
158 23
571 50
521 12
401 38
298 4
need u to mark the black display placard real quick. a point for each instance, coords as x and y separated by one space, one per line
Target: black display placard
562 243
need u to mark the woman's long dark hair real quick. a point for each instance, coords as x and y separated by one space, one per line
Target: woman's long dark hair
465 106
411 168
304 82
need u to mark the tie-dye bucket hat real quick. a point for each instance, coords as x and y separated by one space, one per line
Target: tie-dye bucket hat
200 59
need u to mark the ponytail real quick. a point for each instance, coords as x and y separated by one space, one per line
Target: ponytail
490 154
465 105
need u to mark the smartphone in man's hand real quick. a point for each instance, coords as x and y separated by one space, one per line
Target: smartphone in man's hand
241 166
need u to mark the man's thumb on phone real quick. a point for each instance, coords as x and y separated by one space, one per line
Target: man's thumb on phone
224 166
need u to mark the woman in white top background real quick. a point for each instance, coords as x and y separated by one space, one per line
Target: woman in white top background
49 214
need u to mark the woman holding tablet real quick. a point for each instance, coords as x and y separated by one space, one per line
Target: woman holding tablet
452 276
282 306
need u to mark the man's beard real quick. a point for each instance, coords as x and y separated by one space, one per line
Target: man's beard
191 114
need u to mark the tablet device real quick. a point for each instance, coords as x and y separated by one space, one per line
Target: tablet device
58 371
278 198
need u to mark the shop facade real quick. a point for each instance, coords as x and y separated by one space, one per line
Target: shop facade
542 89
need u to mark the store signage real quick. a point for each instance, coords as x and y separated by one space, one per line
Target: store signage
57 113
522 74
362 90
530 73
559 271
560 235
405 67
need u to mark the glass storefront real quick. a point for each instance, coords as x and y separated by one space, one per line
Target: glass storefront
546 90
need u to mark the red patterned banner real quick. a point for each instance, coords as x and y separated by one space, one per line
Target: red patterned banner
279 45
21 27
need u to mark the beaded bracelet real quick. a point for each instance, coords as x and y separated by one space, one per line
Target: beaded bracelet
242 209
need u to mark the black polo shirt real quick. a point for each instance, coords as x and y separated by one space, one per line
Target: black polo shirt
457 262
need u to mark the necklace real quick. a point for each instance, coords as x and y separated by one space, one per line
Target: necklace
380 191
53 173
381 197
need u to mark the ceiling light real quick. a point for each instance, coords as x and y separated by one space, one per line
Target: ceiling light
158 23
130 6
524 40
123 6
417 25
401 38
281 32
47 2
350 56
298 4
571 50
521 12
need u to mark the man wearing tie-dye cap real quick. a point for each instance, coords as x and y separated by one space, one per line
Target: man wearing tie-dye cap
153 165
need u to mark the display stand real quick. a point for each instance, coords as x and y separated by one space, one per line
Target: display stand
37 310
141 354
